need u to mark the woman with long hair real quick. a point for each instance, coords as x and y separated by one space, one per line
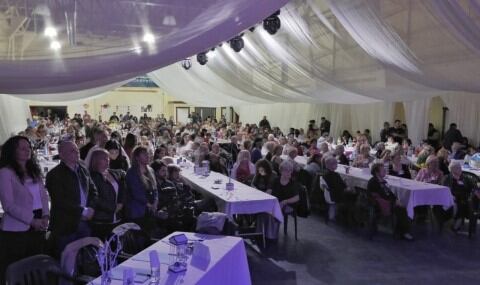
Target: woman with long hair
243 169
130 144
142 195
24 201
264 176
117 159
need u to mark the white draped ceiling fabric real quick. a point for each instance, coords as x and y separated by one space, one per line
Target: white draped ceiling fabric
329 53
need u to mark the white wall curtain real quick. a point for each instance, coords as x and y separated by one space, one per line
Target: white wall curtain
464 111
14 114
342 116
416 115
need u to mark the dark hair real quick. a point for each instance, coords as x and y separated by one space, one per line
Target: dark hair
112 144
8 159
314 157
453 125
263 163
130 140
376 168
157 151
157 165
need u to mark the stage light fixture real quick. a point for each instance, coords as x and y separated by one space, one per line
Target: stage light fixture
187 63
272 24
202 58
237 43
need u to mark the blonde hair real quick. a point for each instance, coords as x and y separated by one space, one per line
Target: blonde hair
96 155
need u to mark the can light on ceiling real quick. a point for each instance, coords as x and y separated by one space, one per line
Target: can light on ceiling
50 32
55 45
149 38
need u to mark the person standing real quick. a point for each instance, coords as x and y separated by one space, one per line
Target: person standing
24 201
73 196
264 123
324 125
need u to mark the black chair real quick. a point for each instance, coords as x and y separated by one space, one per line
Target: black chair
132 238
37 270
474 211
305 178
294 213
84 254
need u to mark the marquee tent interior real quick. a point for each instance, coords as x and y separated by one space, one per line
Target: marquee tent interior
350 61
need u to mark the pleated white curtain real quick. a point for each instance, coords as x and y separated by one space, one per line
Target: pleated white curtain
416 115
14 113
464 110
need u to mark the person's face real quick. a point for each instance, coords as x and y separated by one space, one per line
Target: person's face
113 153
433 165
215 148
333 165
381 172
102 138
23 152
175 176
397 124
286 174
262 171
456 170
70 154
162 173
143 158
103 162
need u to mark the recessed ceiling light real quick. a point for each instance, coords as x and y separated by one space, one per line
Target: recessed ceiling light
149 38
50 32
55 45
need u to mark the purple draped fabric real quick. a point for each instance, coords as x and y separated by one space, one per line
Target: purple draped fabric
198 26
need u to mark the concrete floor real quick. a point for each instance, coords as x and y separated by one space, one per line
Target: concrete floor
333 254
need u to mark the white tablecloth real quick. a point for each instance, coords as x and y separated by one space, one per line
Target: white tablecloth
222 261
410 193
242 200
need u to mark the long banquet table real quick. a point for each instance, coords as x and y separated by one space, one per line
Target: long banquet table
216 260
410 193
242 200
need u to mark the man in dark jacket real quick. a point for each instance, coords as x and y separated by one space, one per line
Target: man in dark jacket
451 136
324 126
73 197
264 123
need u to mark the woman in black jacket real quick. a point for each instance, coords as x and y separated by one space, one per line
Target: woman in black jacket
397 168
387 202
117 159
111 189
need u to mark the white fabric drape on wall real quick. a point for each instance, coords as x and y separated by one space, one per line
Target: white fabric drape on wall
342 116
15 113
464 111
416 115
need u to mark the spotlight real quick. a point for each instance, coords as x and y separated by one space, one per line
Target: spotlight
55 45
149 38
187 63
50 32
236 43
202 58
272 23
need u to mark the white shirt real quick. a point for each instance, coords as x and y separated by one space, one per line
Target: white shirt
34 188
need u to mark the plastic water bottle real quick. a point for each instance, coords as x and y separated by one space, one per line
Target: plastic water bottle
155 267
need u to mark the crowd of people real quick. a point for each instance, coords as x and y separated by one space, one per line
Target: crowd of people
123 170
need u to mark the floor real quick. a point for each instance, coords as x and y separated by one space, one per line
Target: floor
333 254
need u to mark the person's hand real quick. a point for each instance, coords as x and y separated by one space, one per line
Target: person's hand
45 222
88 214
37 224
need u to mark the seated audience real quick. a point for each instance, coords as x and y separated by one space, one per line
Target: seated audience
243 169
264 176
387 202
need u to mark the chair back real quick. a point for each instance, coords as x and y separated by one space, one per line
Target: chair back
37 269
303 207
305 178
473 179
133 238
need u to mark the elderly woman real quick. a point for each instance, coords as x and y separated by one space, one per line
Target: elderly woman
340 155
264 176
443 160
314 164
243 169
431 173
397 168
461 189
387 202
276 158
336 185
111 189
292 153
287 192
363 158
426 151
